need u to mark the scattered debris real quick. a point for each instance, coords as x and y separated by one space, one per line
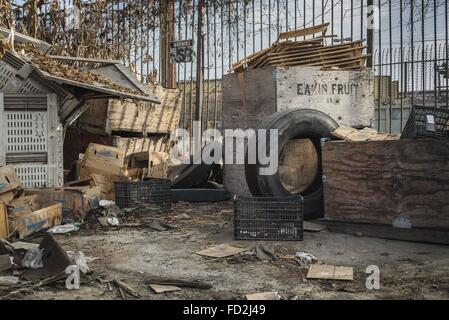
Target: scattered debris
183 216
221 251
263 296
124 288
80 260
159 225
330 273
158 289
305 259
54 259
366 134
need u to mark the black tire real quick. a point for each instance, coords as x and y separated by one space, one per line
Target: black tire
294 124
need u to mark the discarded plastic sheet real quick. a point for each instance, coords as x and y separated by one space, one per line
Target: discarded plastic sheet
33 259
106 203
158 289
221 251
330 273
64 229
263 296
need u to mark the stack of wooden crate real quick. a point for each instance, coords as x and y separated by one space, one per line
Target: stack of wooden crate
287 51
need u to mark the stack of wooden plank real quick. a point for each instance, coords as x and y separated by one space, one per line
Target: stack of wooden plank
307 52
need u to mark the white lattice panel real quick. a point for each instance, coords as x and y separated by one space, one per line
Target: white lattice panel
32 175
26 131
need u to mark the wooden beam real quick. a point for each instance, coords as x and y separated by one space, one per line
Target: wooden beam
82 59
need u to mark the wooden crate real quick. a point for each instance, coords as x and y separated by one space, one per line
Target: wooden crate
401 183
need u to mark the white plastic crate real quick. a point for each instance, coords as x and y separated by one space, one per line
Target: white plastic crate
31 138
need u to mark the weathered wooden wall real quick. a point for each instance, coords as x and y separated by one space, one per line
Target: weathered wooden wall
384 182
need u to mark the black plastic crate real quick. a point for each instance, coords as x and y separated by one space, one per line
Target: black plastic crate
427 122
278 219
154 193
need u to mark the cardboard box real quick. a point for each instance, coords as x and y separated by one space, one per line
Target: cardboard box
9 180
4 228
7 197
151 164
23 206
100 159
76 201
42 219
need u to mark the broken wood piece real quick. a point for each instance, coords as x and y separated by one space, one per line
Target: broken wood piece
263 296
194 284
325 272
221 251
123 286
159 289
304 32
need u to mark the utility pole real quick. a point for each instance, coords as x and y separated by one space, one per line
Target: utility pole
199 61
168 72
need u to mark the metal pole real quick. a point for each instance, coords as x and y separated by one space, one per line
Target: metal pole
199 62
370 35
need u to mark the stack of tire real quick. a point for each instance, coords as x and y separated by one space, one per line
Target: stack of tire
293 124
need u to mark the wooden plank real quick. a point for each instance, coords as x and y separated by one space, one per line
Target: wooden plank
321 53
324 272
382 182
304 32
317 49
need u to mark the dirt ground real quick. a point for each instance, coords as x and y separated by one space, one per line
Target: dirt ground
134 253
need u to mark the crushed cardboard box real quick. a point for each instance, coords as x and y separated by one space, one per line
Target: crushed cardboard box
76 201
104 165
27 224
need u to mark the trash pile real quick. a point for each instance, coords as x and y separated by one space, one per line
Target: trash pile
25 266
